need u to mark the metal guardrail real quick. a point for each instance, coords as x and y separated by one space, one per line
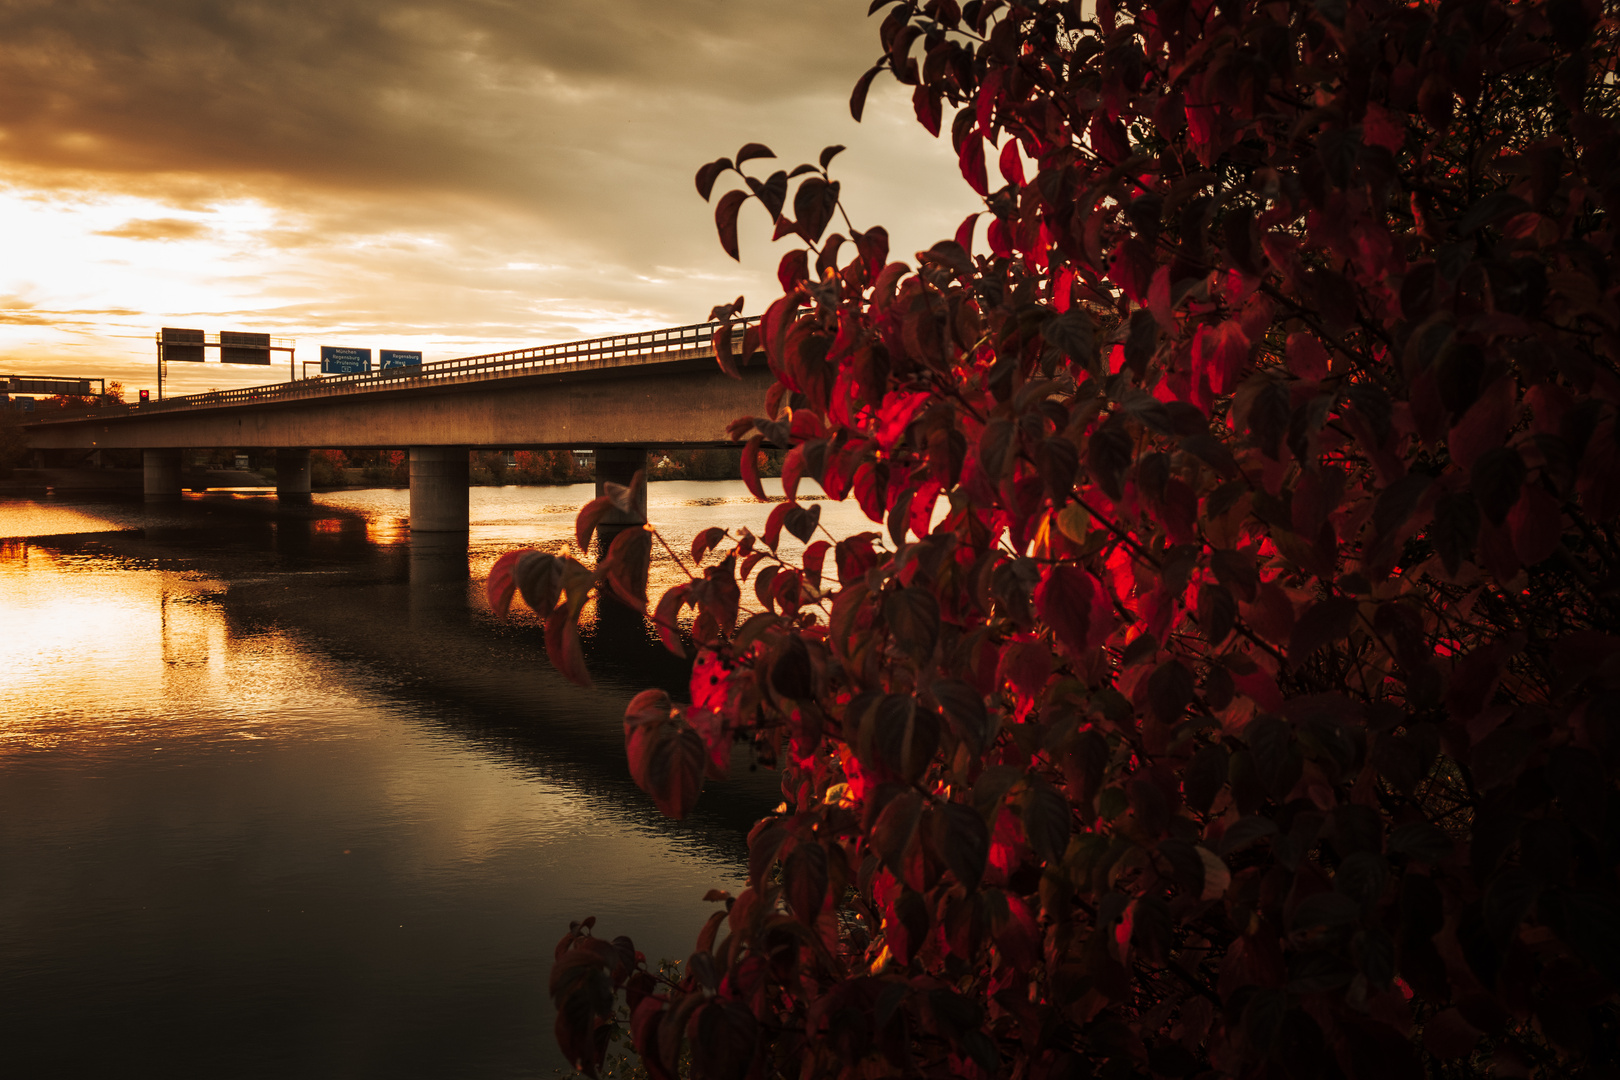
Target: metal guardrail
619 350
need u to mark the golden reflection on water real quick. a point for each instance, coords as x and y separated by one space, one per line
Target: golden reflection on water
219 826
151 650
388 531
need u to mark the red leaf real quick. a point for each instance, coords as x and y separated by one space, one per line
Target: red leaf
1536 522
750 467
1271 614
1063 290
706 541
626 566
773 329
839 474
675 770
720 597
722 351
1108 138
589 516
500 587
1485 425
794 268
899 409
855 557
871 490
1131 268
711 728
1025 666
666 616
925 102
645 714
815 556
971 159
725 220
1381 127
666 755
805 878
1220 354
753 150
773 524
563 648
814 203
626 498
873 244
801 521
1045 813
792 469
707 175
857 98
895 830
964 232
1012 166
1000 239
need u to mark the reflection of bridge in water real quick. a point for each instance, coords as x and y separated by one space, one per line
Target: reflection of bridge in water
619 395
409 617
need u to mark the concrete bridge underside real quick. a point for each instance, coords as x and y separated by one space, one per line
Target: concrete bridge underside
621 412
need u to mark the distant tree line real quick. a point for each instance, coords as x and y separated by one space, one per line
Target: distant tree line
495 468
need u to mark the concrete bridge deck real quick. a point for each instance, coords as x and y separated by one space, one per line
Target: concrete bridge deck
619 395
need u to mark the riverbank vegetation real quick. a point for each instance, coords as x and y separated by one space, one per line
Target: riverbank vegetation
336 468
13 443
1250 708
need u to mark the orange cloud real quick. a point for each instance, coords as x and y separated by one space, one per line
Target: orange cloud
158 229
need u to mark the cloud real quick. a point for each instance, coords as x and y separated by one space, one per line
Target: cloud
587 118
436 94
158 229
472 174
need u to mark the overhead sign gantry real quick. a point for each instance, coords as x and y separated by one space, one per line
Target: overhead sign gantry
235 347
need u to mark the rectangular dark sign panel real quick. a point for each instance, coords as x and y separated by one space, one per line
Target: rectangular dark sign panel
182 345
238 347
339 360
65 387
392 358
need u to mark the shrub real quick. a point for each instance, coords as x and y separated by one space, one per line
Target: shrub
1250 710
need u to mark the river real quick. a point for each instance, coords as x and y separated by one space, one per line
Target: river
280 798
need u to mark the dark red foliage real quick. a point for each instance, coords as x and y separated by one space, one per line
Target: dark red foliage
1233 687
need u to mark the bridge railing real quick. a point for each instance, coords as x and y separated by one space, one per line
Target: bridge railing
618 350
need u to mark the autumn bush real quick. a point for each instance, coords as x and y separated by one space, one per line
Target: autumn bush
326 468
1232 687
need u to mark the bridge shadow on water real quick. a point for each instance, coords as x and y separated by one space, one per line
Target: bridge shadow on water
404 614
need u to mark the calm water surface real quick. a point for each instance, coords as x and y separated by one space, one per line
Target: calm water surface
279 798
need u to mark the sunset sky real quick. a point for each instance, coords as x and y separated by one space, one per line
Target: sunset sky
455 176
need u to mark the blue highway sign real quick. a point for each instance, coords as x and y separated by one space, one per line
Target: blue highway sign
393 358
340 360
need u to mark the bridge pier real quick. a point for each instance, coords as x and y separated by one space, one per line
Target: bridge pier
439 489
162 469
292 476
619 465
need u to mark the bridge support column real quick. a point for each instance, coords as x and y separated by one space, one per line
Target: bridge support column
619 465
162 474
292 476
439 489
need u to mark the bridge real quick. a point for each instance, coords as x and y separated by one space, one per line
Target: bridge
621 396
